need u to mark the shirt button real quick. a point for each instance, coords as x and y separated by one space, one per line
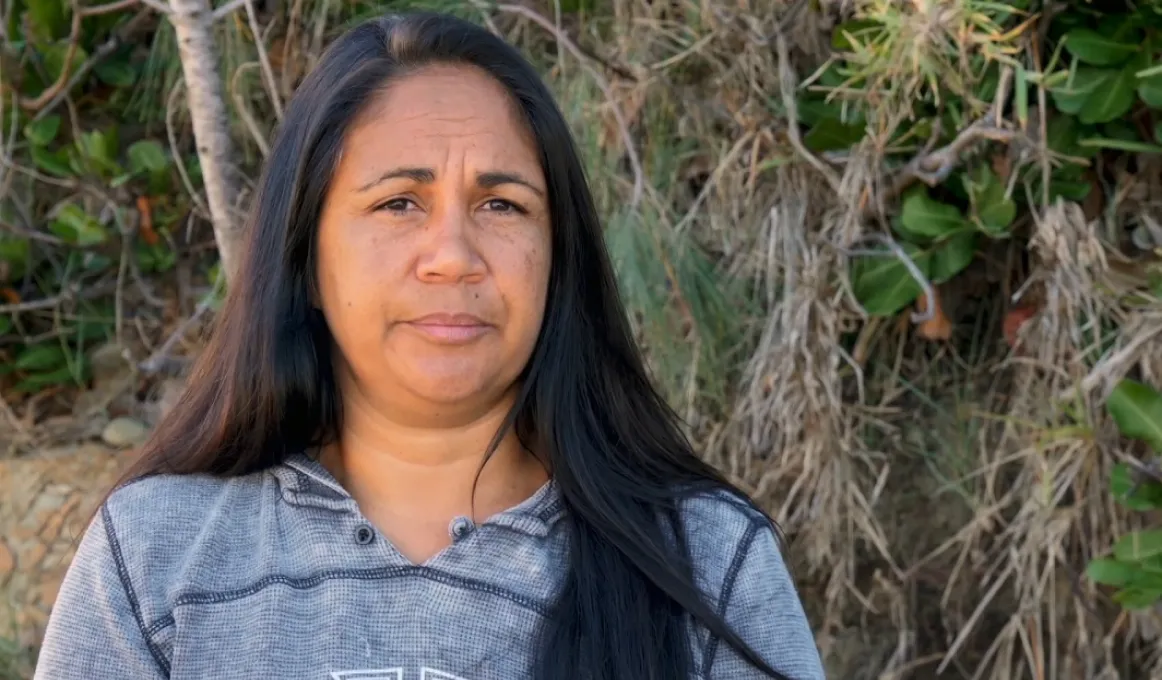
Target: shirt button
364 534
461 527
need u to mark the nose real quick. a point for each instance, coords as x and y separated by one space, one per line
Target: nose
450 254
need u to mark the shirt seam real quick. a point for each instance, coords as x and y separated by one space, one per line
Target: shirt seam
740 555
130 594
375 574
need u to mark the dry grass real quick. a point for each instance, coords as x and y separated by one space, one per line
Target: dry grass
942 499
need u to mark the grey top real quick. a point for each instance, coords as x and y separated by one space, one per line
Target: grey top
278 575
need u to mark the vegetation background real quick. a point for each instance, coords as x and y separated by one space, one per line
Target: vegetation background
898 263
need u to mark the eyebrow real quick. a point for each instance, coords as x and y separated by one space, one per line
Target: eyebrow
485 180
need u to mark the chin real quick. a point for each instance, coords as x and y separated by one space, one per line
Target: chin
454 388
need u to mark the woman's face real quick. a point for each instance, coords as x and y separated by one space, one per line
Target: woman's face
434 246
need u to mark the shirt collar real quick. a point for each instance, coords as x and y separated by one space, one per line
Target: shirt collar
304 481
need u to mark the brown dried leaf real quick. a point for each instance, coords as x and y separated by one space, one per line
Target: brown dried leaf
938 328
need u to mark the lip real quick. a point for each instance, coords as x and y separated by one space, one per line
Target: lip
450 328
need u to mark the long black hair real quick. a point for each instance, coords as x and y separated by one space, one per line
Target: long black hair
264 387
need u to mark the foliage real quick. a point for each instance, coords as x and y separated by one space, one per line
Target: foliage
95 201
1135 566
1099 72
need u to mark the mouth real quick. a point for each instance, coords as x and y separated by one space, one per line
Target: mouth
452 329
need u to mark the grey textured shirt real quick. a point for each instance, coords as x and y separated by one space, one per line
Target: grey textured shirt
277 575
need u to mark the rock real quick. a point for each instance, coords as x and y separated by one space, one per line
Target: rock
107 364
124 433
49 498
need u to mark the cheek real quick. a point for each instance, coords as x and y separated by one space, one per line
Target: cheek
528 281
348 273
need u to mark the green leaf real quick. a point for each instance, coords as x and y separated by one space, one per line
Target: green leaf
1091 47
1150 90
1111 572
39 381
924 217
1137 410
862 30
77 227
1132 492
49 19
951 256
43 131
147 155
1133 146
1070 97
830 134
52 162
98 146
119 73
1061 135
1120 129
5 324
1111 101
1139 545
883 285
994 210
1138 598
14 251
54 59
1070 190
40 358
1158 131
95 262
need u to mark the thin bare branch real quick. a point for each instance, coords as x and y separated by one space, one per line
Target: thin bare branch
244 111
228 9
264 59
73 292
102 52
895 250
602 84
787 90
171 132
38 102
934 167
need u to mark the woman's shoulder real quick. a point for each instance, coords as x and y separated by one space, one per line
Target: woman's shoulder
171 508
722 530
165 534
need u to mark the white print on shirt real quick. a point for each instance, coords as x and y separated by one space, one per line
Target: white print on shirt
393 674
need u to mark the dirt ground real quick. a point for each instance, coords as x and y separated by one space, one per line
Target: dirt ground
48 500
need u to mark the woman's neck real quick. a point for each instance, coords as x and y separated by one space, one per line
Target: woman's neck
400 472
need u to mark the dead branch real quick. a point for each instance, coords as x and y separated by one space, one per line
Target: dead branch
244 111
171 107
72 292
787 90
228 9
38 102
160 360
264 60
100 54
934 167
193 23
619 117
896 251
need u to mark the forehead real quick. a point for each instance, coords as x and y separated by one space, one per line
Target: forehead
439 114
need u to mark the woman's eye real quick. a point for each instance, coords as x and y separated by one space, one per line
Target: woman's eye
501 205
397 205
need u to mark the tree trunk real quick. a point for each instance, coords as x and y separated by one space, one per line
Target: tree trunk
193 23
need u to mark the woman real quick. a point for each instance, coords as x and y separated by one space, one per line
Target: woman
421 442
